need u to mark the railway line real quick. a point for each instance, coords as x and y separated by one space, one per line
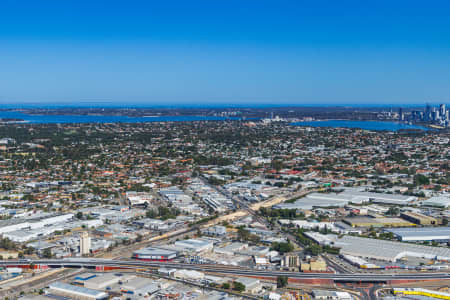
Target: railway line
222 269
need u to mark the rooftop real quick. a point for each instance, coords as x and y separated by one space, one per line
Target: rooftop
79 290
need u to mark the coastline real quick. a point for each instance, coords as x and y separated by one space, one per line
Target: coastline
361 124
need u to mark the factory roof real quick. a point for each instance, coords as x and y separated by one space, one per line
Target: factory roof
79 290
102 280
155 251
388 250
439 201
343 198
422 233
381 221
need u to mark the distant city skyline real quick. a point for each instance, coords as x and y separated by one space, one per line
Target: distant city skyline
181 105
154 53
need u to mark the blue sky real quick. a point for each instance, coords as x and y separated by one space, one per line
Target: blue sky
231 52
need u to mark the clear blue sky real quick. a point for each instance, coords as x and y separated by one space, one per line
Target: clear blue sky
234 51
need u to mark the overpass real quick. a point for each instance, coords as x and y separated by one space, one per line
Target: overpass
93 263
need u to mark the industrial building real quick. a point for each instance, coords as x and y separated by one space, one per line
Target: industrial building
315 200
188 274
102 281
419 219
331 295
215 231
377 222
33 223
20 231
155 254
77 292
252 285
437 234
359 262
314 265
438 201
291 261
140 286
387 250
349 195
194 245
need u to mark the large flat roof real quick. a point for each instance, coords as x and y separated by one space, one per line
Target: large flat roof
441 201
344 198
427 233
79 290
155 251
388 250
380 221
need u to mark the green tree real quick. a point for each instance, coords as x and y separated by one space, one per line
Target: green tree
314 249
238 286
47 253
282 281
282 247
226 285
243 234
420 179
393 211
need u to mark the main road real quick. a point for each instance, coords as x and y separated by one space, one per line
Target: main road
222 269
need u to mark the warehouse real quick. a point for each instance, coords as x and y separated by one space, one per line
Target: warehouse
76 292
27 234
331 295
438 201
194 245
419 219
437 234
355 195
377 222
387 250
139 286
349 195
314 200
33 223
252 285
155 254
188 274
101 282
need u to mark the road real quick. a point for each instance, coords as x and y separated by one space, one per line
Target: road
222 269
253 210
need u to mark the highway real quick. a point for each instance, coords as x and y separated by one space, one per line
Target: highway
353 277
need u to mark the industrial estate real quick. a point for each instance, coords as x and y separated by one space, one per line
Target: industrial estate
225 209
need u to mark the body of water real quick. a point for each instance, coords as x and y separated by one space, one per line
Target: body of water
368 125
46 119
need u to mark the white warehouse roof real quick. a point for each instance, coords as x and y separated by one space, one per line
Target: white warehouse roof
388 250
77 290
421 233
438 201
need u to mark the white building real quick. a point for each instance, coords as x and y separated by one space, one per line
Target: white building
252 285
331 295
194 245
188 274
76 292
85 243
